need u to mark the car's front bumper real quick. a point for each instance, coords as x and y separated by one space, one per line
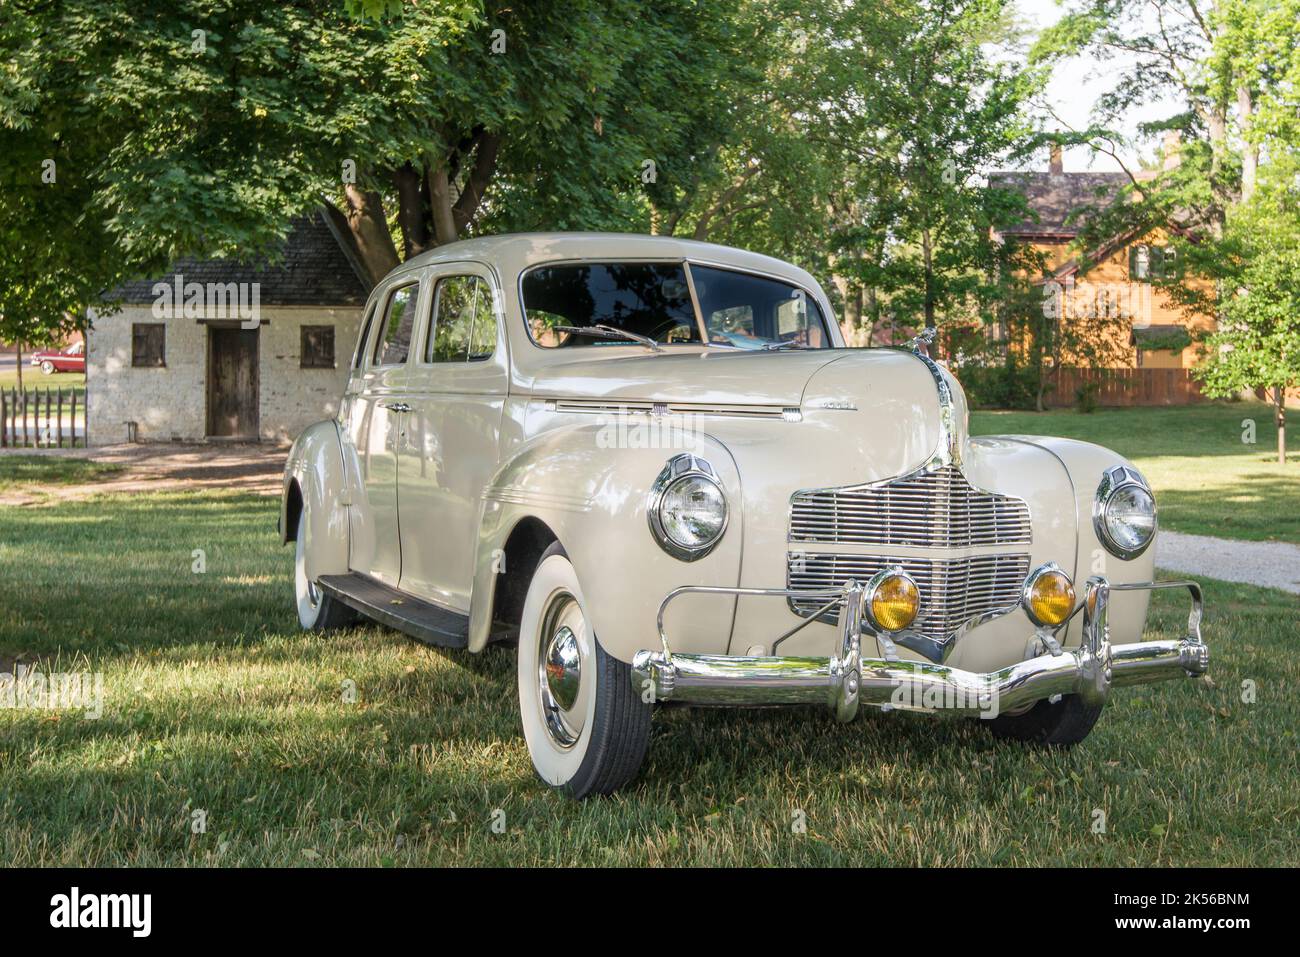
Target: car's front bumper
846 679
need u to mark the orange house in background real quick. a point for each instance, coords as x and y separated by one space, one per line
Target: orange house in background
1153 350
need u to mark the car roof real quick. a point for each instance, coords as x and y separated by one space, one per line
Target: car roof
515 252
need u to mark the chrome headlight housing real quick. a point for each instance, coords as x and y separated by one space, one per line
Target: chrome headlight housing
1124 512
687 508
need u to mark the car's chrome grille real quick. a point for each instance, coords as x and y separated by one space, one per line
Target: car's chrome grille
953 590
936 509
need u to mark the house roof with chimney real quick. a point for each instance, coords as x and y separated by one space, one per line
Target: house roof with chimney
314 268
1056 198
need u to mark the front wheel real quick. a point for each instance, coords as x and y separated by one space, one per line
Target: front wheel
1059 724
47 367
586 727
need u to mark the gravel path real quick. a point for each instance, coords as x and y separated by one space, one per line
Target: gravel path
1269 564
162 466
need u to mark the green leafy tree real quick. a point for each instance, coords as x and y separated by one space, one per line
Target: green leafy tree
923 115
1257 343
204 126
1231 67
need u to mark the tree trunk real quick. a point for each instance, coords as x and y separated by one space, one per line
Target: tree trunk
1279 408
444 222
928 254
19 346
411 213
1249 151
368 227
476 183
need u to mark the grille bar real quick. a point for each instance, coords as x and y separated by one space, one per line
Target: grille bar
953 591
936 509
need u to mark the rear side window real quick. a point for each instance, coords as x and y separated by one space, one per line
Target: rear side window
365 334
399 317
464 321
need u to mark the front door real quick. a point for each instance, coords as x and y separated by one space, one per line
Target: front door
451 447
232 382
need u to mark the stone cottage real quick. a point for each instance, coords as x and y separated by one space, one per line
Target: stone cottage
222 350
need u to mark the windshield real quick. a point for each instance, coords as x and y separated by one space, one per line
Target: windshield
653 300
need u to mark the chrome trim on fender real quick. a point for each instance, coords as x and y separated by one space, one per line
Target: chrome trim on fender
948 451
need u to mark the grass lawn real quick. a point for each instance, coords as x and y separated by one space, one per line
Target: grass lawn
215 702
38 471
32 379
1207 480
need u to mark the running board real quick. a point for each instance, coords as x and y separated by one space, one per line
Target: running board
422 620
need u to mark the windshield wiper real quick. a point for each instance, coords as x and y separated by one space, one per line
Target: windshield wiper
776 346
601 331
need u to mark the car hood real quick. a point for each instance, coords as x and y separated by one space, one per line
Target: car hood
721 378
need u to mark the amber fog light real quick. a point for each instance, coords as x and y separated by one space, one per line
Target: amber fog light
1048 596
891 600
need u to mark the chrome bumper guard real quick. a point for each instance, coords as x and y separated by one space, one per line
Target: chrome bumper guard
846 680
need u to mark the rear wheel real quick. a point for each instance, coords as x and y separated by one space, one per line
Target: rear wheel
317 611
586 727
1059 724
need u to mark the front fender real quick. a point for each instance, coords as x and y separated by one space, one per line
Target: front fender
593 498
1085 463
314 472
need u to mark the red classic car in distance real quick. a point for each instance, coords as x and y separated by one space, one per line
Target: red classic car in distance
68 359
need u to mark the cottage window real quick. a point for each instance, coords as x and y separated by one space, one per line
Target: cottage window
1153 262
148 345
317 350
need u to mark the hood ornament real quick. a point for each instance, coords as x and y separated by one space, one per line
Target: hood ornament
926 335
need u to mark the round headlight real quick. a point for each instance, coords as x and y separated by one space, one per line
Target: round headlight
891 600
693 511
1124 513
687 508
1049 596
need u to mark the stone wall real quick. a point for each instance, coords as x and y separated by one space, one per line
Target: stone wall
170 403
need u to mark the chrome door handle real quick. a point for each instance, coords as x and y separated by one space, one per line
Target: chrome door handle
395 406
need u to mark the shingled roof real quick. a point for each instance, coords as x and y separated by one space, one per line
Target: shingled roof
1054 196
314 270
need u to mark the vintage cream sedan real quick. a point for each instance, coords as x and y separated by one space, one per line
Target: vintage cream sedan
653 466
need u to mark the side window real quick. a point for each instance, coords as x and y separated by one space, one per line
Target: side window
360 355
464 322
399 316
148 345
317 347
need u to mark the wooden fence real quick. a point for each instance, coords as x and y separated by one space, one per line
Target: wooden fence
42 418
1127 386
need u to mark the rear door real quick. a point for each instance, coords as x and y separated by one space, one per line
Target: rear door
457 394
375 424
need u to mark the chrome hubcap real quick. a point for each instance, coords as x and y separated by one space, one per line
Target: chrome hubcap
559 671
563 667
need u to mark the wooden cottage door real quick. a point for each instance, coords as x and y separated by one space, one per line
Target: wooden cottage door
232 382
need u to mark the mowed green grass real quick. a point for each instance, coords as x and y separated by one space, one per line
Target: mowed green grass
38 472
1206 479
34 379
214 701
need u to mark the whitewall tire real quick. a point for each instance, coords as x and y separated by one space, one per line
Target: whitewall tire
316 610
586 727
